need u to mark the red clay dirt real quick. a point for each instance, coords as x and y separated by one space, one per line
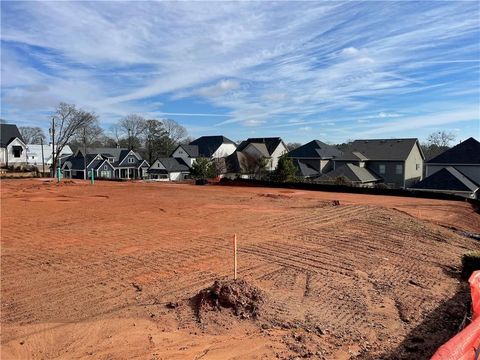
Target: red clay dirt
109 271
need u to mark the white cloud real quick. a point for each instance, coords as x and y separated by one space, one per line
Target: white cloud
257 62
350 51
220 88
305 128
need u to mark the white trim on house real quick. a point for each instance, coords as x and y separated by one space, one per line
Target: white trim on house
128 154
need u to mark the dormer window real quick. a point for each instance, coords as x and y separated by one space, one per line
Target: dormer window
131 160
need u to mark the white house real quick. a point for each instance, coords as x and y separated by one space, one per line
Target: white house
211 147
13 150
34 154
247 160
168 169
269 148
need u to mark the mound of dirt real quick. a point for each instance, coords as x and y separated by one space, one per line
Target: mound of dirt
243 299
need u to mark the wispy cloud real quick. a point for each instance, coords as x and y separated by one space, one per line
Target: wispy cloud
252 64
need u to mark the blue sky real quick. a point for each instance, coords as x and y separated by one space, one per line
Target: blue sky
300 70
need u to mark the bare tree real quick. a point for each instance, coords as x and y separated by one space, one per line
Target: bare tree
293 146
90 135
175 134
437 143
68 123
133 127
441 138
32 135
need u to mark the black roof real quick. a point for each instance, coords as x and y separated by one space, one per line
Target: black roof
270 143
172 164
315 149
467 152
207 145
191 150
379 149
8 132
448 178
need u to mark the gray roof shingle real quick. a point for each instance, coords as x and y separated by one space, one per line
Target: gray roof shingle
172 165
270 143
448 178
207 145
379 149
315 149
352 173
467 152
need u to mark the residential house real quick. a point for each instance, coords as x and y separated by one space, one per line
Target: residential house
398 162
314 158
349 174
211 147
169 169
34 154
13 150
108 163
464 157
455 171
255 155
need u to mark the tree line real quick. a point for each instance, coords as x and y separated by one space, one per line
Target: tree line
151 138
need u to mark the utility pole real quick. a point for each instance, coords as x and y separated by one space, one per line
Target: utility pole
43 158
129 140
85 154
52 134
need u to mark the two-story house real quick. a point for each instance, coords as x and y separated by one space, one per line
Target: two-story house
211 147
314 158
397 162
13 150
255 155
110 163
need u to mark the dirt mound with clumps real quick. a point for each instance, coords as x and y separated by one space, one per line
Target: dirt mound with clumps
243 299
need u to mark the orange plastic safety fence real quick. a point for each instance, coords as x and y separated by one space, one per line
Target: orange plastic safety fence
466 344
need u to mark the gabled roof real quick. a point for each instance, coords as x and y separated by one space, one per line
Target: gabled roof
8 132
172 164
191 150
306 169
352 173
207 145
260 147
448 178
379 149
114 152
94 164
270 143
315 149
467 152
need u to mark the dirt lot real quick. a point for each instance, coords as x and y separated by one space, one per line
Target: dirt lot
108 271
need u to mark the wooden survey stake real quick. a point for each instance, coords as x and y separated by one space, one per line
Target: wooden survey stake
235 257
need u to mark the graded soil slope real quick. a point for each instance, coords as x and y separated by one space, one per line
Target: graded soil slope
109 271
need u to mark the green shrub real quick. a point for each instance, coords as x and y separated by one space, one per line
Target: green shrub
470 263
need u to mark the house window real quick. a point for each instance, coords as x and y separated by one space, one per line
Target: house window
399 169
105 167
417 167
381 169
17 151
131 160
